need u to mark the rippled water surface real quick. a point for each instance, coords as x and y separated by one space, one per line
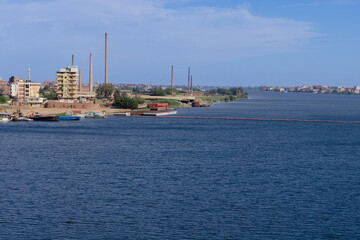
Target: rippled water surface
148 178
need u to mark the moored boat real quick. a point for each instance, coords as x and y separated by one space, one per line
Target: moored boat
95 115
76 114
159 113
69 118
122 114
21 119
5 117
46 118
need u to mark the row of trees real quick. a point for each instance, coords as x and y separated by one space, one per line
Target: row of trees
158 91
230 94
235 91
106 91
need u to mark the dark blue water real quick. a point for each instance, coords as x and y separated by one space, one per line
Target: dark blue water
148 178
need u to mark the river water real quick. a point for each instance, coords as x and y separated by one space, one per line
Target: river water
151 178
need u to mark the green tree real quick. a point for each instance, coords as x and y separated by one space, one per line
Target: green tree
105 91
169 91
139 100
3 100
126 102
157 91
117 93
136 90
47 92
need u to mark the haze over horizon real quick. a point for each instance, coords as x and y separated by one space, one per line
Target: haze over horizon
228 42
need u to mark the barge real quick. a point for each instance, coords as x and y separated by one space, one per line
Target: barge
44 118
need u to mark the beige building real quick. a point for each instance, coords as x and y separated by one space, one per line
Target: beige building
32 90
67 83
22 89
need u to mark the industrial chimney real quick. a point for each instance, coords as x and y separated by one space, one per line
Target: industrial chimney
172 77
29 73
72 60
191 86
189 81
106 60
91 75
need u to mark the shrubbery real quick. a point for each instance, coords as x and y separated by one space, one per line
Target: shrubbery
3 100
127 102
157 91
172 103
47 92
139 100
232 93
170 91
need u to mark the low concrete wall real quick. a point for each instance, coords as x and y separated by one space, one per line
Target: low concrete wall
89 106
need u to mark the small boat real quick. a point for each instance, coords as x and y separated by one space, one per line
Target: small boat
159 113
95 115
76 114
69 118
5 117
46 118
21 119
122 114
100 116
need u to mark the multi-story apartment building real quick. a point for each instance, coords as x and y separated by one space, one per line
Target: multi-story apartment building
67 83
22 89
15 89
32 90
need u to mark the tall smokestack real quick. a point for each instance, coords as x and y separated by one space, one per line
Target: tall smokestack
29 73
172 77
91 75
191 85
79 80
72 60
189 81
106 60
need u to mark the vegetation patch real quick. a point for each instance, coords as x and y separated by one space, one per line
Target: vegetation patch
47 92
105 91
126 102
3 99
172 103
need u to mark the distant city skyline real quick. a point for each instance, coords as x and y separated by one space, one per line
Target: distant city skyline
226 43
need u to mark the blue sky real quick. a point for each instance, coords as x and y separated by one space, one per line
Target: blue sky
226 42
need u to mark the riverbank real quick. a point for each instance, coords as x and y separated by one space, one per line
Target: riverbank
27 110
204 100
